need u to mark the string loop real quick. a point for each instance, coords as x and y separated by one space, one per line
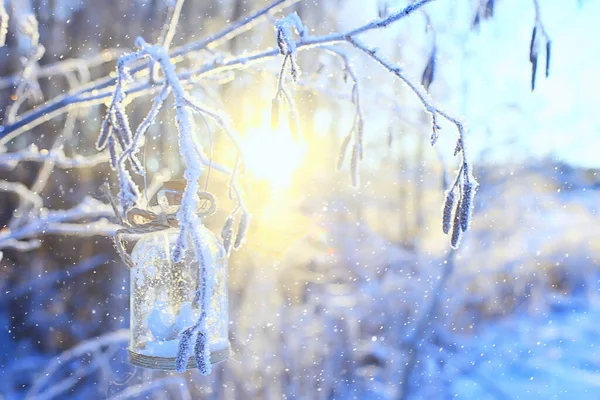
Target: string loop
139 220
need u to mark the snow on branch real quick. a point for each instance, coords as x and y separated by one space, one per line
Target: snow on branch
356 132
192 153
134 392
60 222
93 346
55 156
64 67
465 183
94 93
117 134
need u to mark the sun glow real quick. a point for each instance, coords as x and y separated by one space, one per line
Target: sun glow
273 156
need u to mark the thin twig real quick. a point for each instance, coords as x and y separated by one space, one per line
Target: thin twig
89 346
95 93
172 24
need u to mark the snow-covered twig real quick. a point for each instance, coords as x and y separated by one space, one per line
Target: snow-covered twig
90 346
419 332
189 220
171 25
95 93
129 192
92 93
81 66
465 181
62 222
24 193
52 278
21 245
356 132
138 390
539 38
26 84
44 172
56 157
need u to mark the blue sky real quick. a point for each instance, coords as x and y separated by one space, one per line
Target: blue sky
561 118
484 77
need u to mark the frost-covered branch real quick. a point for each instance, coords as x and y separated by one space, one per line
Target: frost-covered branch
356 132
459 211
189 220
52 278
23 192
61 222
171 25
92 346
96 92
80 66
127 88
26 84
539 38
134 392
419 333
56 157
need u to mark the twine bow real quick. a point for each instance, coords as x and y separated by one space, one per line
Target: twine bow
140 220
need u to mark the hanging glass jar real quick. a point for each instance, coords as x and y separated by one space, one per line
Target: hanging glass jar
164 303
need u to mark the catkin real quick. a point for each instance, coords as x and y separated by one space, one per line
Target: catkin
456 231
184 349
466 205
295 72
105 132
3 24
359 136
458 147
354 167
447 210
202 353
112 151
241 232
180 245
548 51
343 149
124 129
227 233
434 136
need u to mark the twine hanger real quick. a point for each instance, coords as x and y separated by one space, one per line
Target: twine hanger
139 220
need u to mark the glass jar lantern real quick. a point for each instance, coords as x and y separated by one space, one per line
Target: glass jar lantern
162 299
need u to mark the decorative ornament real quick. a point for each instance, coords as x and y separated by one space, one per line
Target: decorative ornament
174 304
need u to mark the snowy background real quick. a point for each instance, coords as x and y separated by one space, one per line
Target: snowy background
338 293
